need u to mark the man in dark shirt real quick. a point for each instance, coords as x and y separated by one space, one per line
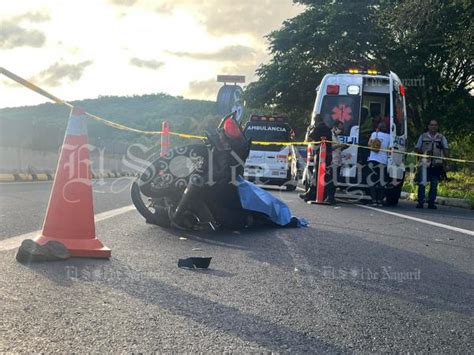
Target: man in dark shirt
315 133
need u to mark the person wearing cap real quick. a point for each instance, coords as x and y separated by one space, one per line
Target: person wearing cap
435 145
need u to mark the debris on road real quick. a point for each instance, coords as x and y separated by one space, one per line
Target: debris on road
31 251
195 263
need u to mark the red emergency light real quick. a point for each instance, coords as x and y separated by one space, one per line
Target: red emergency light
402 90
232 129
332 89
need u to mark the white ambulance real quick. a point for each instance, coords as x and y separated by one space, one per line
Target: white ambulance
361 100
270 164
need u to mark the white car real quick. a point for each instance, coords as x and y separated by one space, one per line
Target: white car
270 164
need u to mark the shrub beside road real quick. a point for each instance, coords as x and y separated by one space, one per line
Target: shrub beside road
459 185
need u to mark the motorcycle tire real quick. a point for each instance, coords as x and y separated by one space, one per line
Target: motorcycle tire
159 217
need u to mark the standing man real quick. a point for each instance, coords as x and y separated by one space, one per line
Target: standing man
435 145
315 133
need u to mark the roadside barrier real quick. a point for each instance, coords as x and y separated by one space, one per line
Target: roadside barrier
25 177
119 126
70 213
42 177
7 177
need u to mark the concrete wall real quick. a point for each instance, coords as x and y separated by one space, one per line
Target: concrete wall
16 160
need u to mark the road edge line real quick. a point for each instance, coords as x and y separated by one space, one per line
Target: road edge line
14 242
425 221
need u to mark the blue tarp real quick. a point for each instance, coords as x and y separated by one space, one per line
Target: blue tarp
254 198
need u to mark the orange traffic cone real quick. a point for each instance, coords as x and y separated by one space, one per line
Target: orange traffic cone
70 214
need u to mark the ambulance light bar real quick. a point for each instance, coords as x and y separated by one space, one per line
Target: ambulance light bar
357 71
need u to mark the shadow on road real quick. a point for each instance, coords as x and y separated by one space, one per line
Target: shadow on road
211 314
348 260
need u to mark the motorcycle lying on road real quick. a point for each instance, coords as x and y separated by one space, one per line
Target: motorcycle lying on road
189 187
196 186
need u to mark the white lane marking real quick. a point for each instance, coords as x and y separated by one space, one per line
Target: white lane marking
14 242
436 224
112 213
94 181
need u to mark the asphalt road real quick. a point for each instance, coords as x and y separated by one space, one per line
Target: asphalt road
23 205
355 280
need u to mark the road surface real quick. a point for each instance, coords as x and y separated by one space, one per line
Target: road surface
357 279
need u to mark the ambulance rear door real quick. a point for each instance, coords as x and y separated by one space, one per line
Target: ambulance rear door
341 101
398 128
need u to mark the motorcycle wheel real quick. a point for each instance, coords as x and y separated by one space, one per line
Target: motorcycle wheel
153 211
170 174
159 188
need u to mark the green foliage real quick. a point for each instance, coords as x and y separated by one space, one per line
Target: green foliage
428 40
459 185
42 127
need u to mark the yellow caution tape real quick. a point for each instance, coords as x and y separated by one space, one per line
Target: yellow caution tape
122 127
394 151
284 143
185 135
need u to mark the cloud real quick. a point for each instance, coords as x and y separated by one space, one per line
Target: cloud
222 17
123 2
165 8
59 72
204 89
227 17
12 35
229 53
34 17
144 63
241 69
10 83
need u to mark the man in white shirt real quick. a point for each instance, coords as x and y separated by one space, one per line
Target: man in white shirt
379 142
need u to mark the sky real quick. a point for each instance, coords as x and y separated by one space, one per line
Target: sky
81 49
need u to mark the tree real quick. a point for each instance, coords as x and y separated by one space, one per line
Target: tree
433 40
329 36
428 40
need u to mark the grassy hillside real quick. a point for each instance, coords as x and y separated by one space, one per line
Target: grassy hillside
42 127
